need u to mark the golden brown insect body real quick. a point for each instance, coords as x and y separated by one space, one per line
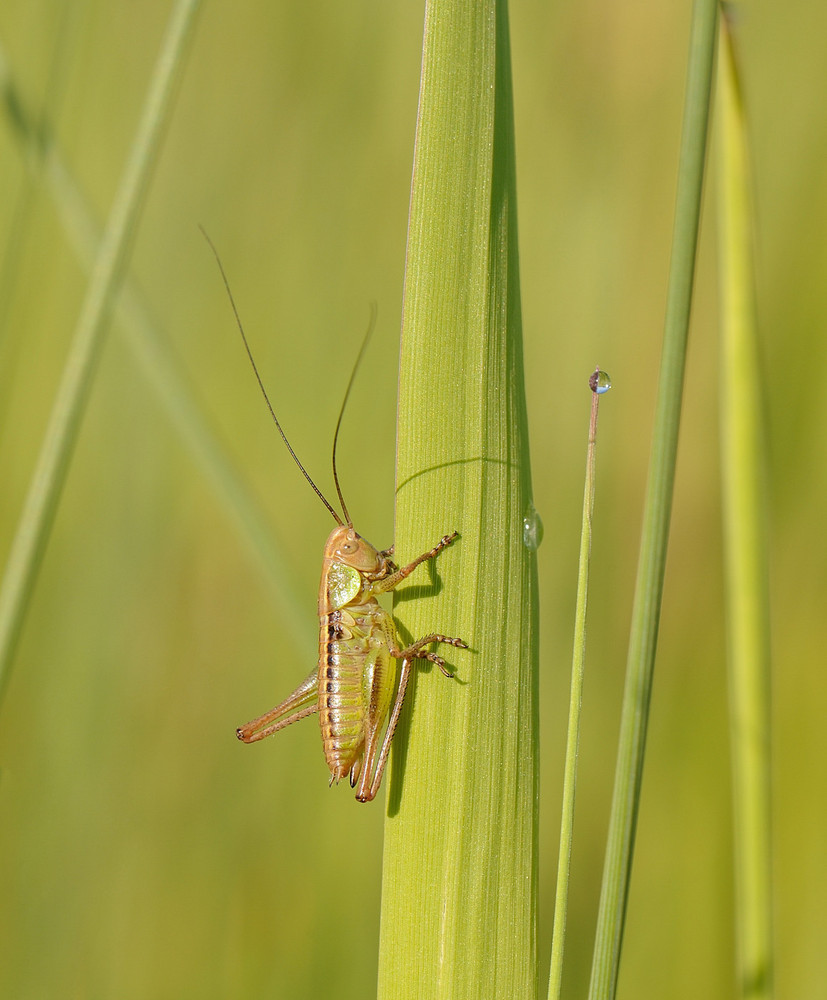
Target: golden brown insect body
357 689
355 637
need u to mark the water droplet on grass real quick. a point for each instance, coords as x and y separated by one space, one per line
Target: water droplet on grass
532 528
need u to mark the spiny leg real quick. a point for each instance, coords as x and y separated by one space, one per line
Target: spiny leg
298 705
408 655
246 736
397 577
417 650
367 793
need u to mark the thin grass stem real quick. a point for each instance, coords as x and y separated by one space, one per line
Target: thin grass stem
599 384
40 505
166 375
658 507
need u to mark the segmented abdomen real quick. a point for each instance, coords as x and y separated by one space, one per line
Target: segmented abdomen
347 636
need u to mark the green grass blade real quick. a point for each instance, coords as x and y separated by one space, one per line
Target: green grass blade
578 666
742 458
460 865
164 373
652 560
62 429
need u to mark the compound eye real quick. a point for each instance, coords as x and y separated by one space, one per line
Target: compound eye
346 548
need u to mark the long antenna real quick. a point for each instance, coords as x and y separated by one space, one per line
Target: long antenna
368 332
305 473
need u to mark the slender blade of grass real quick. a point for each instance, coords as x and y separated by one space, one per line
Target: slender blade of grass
652 560
165 374
63 426
746 573
578 668
460 864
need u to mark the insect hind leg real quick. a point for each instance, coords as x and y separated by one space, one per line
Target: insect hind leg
298 705
416 651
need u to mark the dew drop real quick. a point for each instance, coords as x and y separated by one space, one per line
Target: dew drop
532 528
600 382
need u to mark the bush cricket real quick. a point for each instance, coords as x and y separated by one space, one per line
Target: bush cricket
358 688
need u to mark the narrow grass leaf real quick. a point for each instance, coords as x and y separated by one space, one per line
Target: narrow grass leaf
658 507
599 384
63 426
165 374
746 573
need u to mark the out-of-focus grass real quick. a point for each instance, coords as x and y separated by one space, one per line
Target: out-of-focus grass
143 851
659 502
743 478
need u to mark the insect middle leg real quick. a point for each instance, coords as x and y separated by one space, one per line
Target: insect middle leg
417 651
298 705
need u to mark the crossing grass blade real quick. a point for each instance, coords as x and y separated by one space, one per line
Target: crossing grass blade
164 373
62 430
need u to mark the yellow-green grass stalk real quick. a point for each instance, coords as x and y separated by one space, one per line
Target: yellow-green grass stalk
745 542
460 864
162 370
43 497
658 506
599 384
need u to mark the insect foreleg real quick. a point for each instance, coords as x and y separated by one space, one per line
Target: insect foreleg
298 705
389 582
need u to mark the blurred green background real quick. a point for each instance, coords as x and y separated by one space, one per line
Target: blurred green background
143 851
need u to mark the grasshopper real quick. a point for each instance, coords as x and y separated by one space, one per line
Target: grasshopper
357 683
358 687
